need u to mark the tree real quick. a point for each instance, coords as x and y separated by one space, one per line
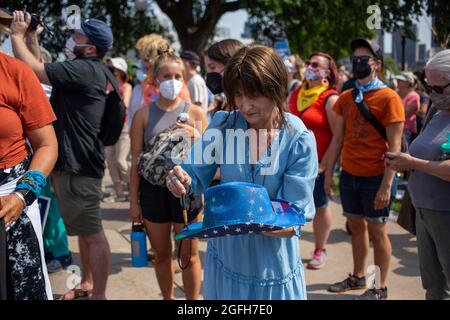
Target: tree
440 11
120 14
329 26
195 21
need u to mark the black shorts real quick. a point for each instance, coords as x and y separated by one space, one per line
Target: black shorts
159 205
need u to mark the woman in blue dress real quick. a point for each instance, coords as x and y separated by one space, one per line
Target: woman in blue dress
257 143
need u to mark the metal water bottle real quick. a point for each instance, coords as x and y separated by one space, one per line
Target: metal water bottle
139 257
445 149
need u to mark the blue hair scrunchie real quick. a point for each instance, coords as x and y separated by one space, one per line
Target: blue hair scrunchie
32 180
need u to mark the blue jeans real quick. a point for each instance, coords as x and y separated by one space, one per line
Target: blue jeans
358 196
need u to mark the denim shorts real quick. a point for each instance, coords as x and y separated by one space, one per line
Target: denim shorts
358 195
320 197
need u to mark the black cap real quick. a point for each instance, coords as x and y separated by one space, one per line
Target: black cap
369 44
190 56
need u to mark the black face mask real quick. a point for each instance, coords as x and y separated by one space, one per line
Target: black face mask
361 70
214 82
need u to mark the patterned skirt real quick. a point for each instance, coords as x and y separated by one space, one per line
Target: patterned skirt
26 273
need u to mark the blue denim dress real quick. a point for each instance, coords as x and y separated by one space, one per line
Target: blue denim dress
256 267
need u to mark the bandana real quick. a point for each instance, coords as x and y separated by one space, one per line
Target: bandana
307 97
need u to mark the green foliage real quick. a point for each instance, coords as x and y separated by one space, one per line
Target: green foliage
330 25
440 10
127 25
391 65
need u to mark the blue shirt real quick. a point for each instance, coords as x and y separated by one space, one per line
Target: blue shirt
256 266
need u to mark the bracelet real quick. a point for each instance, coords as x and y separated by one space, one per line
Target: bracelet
21 198
32 180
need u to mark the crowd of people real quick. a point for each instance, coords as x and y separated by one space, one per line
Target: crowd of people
316 118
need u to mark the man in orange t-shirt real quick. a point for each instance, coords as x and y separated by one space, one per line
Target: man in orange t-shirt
366 185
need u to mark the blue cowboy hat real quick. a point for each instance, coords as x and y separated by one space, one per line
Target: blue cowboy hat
239 208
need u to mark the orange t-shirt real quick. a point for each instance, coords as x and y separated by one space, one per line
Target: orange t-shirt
363 146
23 107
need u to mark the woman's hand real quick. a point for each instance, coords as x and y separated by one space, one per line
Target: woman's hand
20 24
136 212
178 182
11 207
329 184
283 233
188 131
399 161
383 197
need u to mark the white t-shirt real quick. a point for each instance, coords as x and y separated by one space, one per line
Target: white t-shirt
198 91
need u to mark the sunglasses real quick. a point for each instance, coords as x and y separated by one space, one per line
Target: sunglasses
437 89
314 65
361 59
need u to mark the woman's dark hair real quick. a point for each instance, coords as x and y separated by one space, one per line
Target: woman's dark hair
224 50
257 70
334 75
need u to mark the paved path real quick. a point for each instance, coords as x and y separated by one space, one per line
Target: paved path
127 283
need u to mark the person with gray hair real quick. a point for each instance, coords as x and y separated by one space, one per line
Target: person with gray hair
429 182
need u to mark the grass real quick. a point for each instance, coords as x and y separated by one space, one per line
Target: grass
396 204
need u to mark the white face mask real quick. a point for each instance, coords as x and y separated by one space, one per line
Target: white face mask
170 89
69 49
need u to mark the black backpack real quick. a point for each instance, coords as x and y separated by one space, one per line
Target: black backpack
114 115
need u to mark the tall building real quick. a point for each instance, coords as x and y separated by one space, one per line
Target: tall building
411 49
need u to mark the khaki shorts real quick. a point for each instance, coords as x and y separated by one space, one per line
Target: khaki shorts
79 202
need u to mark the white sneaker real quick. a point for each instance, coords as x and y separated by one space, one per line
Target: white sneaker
318 260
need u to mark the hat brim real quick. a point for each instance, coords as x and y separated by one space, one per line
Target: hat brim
285 215
363 43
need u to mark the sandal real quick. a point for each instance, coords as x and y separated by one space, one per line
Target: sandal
77 294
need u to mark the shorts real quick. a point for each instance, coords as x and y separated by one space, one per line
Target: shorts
358 195
320 197
79 202
159 205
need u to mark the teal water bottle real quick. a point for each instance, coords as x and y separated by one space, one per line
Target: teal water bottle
139 257
445 149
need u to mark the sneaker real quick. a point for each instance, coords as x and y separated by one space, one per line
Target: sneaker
54 266
374 294
351 283
319 259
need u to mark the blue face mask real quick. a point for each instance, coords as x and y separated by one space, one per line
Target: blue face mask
141 75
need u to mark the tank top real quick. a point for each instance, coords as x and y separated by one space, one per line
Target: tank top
315 119
160 120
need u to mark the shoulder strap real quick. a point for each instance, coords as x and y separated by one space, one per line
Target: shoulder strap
186 107
111 79
365 111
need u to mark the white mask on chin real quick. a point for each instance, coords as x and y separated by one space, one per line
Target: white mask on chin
69 49
170 89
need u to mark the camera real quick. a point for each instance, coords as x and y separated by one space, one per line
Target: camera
36 20
274 33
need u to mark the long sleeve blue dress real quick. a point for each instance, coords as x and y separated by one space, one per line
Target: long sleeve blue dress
256 267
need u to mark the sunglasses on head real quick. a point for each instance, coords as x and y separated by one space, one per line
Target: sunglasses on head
437 89
314 65
361 59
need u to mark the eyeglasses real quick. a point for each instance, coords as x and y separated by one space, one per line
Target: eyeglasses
313 65
361 59
437 89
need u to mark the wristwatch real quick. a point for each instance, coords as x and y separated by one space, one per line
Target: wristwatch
28 195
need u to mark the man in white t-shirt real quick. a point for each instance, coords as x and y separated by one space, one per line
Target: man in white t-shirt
195 83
